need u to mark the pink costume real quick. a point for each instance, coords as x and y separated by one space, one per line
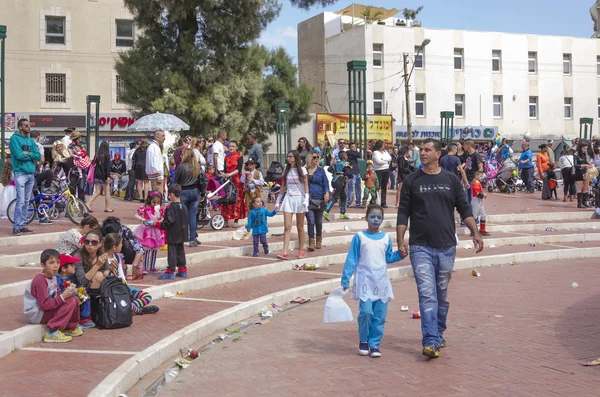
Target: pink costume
150 237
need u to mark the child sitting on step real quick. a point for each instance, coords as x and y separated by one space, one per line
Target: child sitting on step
43 303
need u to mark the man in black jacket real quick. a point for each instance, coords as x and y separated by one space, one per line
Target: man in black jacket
176 225
353 186
429 197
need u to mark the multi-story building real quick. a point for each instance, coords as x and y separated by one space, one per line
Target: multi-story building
493 82
57 53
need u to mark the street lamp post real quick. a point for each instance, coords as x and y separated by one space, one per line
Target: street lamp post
407 88
283 131
2 97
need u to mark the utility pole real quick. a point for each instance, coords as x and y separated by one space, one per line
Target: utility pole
407 94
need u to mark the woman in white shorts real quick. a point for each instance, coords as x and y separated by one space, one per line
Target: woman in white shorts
295 188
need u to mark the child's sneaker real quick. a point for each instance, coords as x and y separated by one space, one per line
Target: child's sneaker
283 256
151 309
56 337
363 348
88 324
78 331
344 216
375 352
255 255
167 276
431 351
326 215
267 252
181 274
300 255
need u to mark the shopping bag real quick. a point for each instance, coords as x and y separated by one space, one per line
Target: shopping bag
91 173
336 310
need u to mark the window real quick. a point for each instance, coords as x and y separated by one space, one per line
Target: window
598 65
378 103
420 105
532 62
568 108
55 30
124 33
458 59
377 55
566 63
56 87
533 100
497 106
419 59
496 60
120 89
459 105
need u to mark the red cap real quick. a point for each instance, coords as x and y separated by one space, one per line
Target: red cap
66 259
118 155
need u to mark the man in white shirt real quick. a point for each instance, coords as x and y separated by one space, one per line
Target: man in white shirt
155 168
66 140
219 152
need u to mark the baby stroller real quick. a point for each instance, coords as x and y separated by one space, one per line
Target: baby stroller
506 180
273 179
210 189
490 173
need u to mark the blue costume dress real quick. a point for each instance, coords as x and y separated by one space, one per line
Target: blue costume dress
367 260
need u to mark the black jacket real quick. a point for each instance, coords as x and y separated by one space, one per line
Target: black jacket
176 223
404 168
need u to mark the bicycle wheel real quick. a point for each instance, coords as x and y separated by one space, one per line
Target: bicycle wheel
10 212
76 210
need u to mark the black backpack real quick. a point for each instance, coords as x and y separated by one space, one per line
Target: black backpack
231 194
275 172
114 305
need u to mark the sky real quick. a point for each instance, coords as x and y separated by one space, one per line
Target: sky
549 17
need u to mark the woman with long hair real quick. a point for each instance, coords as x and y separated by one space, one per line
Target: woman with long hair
582 165
139 169
186 175
381 166
304 148
566 164
234 164
199 145
318 188
295 188
101 175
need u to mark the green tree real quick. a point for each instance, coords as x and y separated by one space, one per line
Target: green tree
280 85
196 59
410 13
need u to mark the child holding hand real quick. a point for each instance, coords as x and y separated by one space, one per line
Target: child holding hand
257 222
370 252
43 303
148 233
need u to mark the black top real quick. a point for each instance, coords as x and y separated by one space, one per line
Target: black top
429 202
102 170
118 168
184 176
353 156
404 168
176 223
471 162
451 162
139 159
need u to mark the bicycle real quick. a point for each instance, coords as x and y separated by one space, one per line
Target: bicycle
75 209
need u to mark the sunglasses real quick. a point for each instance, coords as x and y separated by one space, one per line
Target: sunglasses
315 157
91 242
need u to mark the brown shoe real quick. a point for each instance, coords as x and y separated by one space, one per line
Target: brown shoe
311 244
318 244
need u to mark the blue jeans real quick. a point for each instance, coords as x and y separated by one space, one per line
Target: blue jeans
354 189
191 199
314 219
263 240
24 186
371 321
432 268
527 176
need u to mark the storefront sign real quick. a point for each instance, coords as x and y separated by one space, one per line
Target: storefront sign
78 121
378 126
423 132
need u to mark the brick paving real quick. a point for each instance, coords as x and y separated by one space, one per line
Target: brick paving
532 350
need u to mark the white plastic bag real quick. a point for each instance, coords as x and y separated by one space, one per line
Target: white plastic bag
241 233
336 310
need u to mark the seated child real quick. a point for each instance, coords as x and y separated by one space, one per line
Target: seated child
66 278
42 303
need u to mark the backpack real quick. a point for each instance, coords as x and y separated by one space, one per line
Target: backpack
231 194
275 172
114 305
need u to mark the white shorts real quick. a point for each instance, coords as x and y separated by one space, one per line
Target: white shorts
293 204
478 209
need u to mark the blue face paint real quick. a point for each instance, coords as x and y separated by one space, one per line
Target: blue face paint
374 219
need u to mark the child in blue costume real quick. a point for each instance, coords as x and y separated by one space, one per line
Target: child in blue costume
369 254
341 171
257 222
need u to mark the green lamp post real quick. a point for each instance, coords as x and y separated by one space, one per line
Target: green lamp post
92 99
283 131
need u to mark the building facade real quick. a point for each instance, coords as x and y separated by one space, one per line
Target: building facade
57 53
493 82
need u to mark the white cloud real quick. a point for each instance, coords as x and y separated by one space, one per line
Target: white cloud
279 36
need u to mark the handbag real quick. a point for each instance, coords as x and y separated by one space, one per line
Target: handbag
314 204
572 168
91 173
